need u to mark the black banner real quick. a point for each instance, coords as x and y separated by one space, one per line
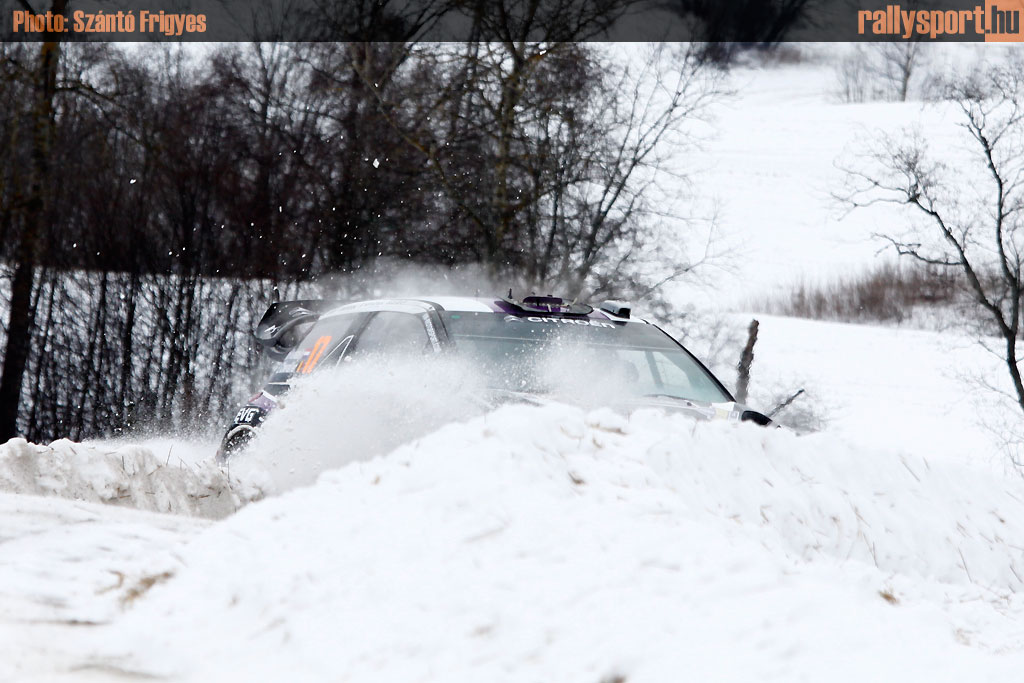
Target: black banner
738 21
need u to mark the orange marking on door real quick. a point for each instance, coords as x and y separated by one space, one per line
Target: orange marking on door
313 358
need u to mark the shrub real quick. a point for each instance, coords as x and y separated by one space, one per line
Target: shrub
889 292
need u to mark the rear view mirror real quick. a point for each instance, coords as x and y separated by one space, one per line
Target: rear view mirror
755 417
285 324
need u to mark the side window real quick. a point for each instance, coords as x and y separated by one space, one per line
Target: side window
684 379
672 376
323 346
390 333
632 370
651 371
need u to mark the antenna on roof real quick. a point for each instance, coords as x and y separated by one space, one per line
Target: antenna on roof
509 292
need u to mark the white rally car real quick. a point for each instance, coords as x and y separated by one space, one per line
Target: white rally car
507 339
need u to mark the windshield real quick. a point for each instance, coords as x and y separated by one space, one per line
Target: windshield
594 359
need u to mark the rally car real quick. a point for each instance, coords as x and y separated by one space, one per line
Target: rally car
507 339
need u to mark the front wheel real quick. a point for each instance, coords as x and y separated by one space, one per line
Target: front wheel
235 440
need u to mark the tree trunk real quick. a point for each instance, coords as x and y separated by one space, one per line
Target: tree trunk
1011 364
20 322
19 330
126 393
35 393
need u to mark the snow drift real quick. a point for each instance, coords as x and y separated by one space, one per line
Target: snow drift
129 476
557 544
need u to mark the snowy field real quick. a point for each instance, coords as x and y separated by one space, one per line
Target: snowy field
562 544
891 388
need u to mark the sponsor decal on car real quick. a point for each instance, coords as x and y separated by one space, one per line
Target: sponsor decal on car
563 321
431 332
248 415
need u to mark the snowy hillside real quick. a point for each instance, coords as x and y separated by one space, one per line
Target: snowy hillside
774 163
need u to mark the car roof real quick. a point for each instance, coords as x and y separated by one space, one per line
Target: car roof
461 304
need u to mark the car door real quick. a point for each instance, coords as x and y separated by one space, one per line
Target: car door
326 343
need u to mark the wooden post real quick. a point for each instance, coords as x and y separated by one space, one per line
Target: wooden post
746 360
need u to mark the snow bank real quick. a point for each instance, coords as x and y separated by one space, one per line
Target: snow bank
555 544
130 476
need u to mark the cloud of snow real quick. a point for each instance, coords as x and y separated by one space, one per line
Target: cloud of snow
362 410
389 277
369 407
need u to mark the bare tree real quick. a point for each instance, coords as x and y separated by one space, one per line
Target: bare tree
976 228
899 61
550 155
853 77
880 71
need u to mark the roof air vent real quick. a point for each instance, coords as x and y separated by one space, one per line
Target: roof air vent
619 309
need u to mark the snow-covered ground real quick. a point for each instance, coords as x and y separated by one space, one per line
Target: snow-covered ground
66 568
558 543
